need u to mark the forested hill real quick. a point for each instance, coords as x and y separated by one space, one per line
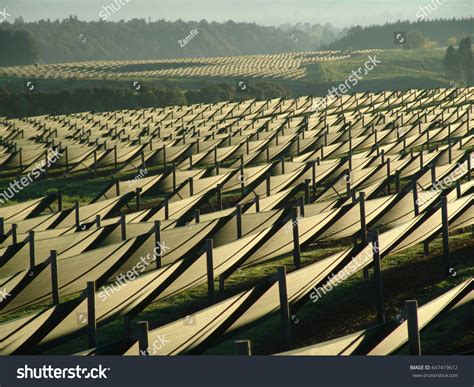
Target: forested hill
72 40
381 36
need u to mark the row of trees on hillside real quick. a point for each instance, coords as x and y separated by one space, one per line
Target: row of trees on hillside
14 104
17 48
459 64
73 40
419 34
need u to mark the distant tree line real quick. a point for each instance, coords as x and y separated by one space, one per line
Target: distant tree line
17 48
419 34
14 104
72 40
459 64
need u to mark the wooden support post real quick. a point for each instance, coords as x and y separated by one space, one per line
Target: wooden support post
53 261
445 228
239 221
158 243
415 199
378 277
14 233
167 209
123 226
433 174
363 225
31 240
138 196
257 203
60 201
307 198
284 308
458 189
242 348
98 221
191 186
469 167
397 181
164 156
174 178
414 345
2 228
282 161
219 197
389 190
296 238
143 338
117 187
269 186
77 214
242 179
210 271
301 206
348 182
313 179
197 215
91 319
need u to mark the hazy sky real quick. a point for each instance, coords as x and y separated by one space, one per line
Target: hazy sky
267 12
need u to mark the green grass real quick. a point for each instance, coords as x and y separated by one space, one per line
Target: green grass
346 309
416 64
351 306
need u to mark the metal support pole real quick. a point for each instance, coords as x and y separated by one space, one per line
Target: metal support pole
53 260
378 277
296 238
210 271
158 243
123 226
269 187
138 195
413 330
415 199
284 308
91 319
445 227
60 201
239 221
242 348
31 240
143 338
